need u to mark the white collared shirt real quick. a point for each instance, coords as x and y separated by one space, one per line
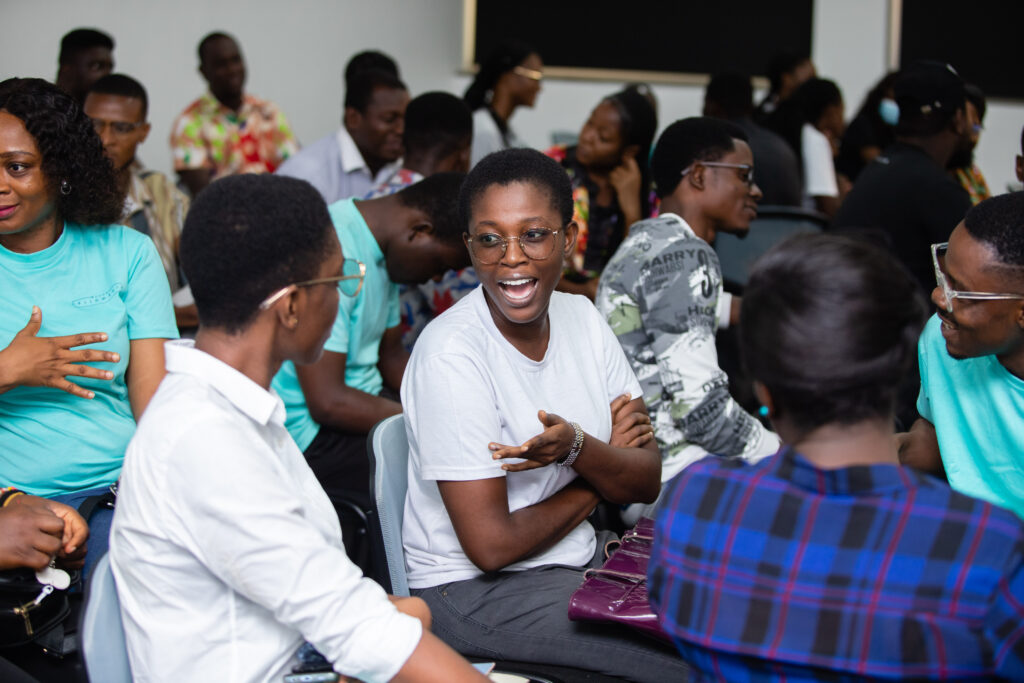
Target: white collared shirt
336 168
227 552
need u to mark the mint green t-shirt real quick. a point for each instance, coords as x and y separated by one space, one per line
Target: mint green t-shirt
358 329
977 407
94 278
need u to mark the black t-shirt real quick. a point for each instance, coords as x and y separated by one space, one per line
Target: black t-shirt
907 196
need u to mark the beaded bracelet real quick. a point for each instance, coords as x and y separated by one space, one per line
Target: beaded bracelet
7 494
577 446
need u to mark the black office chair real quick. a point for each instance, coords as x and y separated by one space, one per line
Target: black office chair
772 225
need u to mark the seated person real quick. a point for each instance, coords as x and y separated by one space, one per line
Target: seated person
507 411
70 279
971 357
86 55
226 551
117 105
33 532
828 560
407 237
731 97
367 149
610 182
227 131
437 137
811 121
662 294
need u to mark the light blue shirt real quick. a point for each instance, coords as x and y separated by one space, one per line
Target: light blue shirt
92 279
977 407
358 329
336 168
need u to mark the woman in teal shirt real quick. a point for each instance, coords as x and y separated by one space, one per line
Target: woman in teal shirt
82 298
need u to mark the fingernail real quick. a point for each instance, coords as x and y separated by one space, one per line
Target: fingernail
92 394
493 446
103 336
110 375
115 357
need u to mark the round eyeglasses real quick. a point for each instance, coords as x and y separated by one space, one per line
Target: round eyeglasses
536 243
350 282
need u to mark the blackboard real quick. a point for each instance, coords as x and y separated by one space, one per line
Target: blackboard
657 39
981 39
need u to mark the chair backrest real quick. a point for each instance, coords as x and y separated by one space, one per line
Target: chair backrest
389 480
772 225
103 645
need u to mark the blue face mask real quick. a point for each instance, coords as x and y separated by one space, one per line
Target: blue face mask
889 111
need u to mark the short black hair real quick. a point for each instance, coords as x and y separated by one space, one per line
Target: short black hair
733 94
359 92
247 236
124 86
436 123
699 138
369 60
830 325
929 94
437 196
209 38
70 148
999 223
517 165
82 39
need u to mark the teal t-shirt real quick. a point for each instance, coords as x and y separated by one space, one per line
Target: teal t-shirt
357 330
977 407
92 279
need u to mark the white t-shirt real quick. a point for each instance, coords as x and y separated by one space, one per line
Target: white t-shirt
227 552
819 166
466 386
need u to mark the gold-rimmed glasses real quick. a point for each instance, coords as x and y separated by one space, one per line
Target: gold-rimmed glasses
350 282
536 243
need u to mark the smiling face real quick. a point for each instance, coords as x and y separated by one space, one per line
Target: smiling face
378 130
224 69
729 201
109 113
979 328
600 145
518 289
27 202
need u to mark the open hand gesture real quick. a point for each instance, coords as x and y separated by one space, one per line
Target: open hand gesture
31 360
549 446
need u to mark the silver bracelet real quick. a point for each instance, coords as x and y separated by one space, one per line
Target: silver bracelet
577 446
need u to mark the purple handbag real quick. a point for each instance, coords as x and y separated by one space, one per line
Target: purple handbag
617 591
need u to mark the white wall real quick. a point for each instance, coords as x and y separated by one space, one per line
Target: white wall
296 52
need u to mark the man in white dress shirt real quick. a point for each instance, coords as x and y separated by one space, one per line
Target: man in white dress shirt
226 551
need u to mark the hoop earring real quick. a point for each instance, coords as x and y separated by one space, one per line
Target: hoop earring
65 187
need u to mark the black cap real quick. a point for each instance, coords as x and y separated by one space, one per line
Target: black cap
928 88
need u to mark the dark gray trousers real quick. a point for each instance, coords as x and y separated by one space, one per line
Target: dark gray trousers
521 616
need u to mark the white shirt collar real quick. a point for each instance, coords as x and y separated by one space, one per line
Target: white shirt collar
352 159
249 398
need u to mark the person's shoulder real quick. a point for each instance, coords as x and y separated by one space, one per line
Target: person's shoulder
107 236
195 109
344 213
310 159
457 330
989 519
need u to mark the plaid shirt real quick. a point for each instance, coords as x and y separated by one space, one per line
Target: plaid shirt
782 571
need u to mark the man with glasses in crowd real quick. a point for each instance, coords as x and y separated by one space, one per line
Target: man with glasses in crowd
404 238
971 356
117 105
662 294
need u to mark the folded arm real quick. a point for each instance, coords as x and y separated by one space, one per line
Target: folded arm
332 402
